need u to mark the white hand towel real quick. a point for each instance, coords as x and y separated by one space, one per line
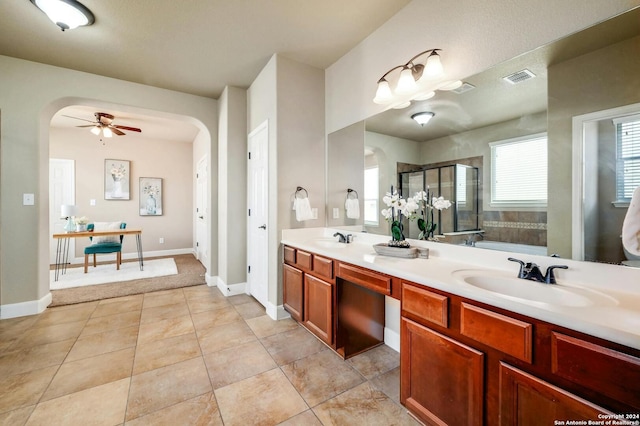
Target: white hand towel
303 209
631 225
352 206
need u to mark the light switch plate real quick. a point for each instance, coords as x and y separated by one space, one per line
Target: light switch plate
92 202
28 199
336 213
314 213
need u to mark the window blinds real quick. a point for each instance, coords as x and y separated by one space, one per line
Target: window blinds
627 156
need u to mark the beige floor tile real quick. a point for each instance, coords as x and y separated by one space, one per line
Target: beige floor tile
250 309
306 418
292 345
362 405
309 377
100 405
16 417
207 304
166 386
160 353
240 298
111 322
201 411
118 305
21 361
23 390
265 326
64 314
11 326
209 319
238 363
162 298
225 336
376 361
100 343
164 312
266 399
163 329
49 334
86 373
389 383
200 291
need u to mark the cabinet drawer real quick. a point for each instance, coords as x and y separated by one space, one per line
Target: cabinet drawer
424 304
289 255
323 267
304 259
371 280
508 335
604 370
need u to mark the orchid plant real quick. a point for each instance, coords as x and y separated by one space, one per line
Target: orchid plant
427 205
82 220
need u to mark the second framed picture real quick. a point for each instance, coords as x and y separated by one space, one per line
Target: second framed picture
150 196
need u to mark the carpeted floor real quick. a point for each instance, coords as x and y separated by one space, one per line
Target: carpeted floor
190 273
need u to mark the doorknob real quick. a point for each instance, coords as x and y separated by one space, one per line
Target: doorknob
200 217
263 226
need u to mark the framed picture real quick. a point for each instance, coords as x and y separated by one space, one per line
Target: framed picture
150 196
117 174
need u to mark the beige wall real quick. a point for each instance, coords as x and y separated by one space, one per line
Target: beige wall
171 161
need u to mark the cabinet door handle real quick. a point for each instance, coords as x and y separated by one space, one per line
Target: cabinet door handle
263 226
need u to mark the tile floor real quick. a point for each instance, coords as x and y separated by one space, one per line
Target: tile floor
186 357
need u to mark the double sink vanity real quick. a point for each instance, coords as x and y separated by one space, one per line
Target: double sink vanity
478 345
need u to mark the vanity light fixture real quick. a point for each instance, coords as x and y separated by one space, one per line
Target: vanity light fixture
422 118
417 80
67 14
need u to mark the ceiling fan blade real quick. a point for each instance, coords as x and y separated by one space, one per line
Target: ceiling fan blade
131 129
76 118
87 125
116 131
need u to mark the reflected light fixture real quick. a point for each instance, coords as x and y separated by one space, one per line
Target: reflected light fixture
418 80
423 118
67 211
66 14
106 131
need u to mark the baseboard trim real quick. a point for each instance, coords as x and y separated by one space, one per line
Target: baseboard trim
276 312
211 280
146 254
392 339
230 289
23 309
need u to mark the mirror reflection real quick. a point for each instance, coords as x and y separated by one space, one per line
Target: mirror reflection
494 124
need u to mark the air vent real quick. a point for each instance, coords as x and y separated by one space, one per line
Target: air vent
464 88
519 77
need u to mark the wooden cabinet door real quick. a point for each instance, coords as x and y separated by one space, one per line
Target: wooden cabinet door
441 380
527 400
318 308
293 291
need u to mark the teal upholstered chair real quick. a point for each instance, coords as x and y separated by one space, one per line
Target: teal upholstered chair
103 247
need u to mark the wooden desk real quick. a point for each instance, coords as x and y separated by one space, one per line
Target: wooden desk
62 250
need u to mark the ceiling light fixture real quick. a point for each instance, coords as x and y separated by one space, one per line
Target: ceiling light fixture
423 118
67 14
417 80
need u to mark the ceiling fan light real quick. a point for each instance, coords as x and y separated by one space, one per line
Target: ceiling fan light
383 94
95 130
107 132
422 118
67 14
406 82
433 67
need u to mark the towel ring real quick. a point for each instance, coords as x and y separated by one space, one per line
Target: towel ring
298 189
349 191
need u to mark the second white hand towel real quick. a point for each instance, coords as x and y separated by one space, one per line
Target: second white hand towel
352 206
631 225
303 209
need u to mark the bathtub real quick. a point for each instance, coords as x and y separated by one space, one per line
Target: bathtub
512 247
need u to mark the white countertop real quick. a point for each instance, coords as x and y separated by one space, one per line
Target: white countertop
617 319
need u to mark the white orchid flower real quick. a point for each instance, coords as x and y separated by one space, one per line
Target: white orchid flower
440 203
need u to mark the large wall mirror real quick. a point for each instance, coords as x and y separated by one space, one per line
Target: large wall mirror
535 95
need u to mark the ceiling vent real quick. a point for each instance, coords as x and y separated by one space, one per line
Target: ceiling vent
464 88
519 76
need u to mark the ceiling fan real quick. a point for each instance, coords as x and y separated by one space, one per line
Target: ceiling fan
103 124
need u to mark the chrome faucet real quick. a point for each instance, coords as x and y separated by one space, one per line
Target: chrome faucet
343 238
531 271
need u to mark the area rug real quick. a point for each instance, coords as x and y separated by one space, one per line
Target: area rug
107 273
190 273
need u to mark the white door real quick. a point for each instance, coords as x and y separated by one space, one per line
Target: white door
257 243
201 211
61 191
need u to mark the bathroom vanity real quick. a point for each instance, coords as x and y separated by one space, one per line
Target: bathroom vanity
477 345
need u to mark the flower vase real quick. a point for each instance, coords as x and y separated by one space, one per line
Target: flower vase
151 204
81 227
117 189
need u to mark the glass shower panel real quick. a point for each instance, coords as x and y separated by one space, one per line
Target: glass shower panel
411 183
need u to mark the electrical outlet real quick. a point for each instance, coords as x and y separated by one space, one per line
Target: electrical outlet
336 213
161 240
314 213
28 199
92 202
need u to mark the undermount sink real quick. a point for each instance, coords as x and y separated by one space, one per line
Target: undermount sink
329 243
505 286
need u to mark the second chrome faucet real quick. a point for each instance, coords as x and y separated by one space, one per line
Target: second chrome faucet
531 271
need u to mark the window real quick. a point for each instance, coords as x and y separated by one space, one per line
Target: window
519 171
627 156
371 195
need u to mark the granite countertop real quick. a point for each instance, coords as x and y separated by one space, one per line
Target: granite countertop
613 313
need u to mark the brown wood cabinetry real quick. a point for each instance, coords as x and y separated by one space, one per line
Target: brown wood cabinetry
318 308
292 285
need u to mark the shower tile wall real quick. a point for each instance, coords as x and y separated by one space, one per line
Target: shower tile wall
516 227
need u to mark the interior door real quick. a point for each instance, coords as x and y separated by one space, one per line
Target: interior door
257 244
61 191
201 211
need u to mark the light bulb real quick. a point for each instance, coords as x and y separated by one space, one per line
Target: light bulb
406 82
107 132
95 130
383 94
63 14
433 67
